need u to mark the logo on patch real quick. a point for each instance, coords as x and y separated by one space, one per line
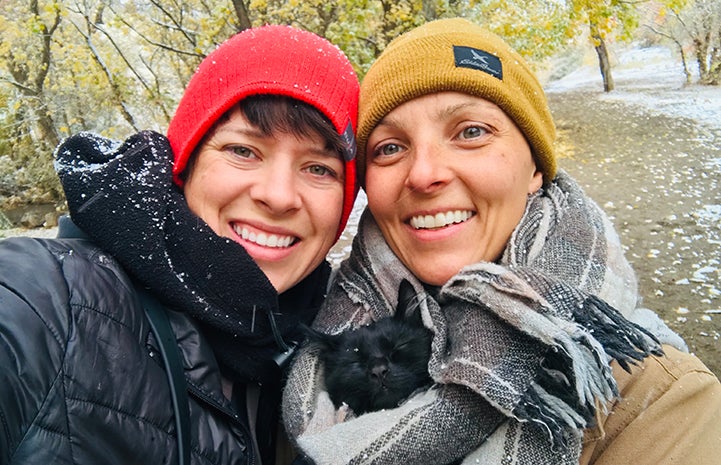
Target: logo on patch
473 58
349 149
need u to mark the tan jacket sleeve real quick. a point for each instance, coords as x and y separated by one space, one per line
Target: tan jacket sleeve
669 413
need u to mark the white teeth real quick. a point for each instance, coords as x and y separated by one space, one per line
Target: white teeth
266 240
440 219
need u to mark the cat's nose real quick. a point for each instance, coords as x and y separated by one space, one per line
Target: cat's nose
379 371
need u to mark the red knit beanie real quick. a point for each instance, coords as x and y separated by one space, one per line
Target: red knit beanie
277 60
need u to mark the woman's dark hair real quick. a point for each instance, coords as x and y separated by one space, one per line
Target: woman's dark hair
278 113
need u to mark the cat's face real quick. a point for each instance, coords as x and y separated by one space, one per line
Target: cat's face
377 366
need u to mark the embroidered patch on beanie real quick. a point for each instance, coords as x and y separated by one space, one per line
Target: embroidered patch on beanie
348 137
474 58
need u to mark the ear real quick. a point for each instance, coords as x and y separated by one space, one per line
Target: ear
321 340
407 301
535 182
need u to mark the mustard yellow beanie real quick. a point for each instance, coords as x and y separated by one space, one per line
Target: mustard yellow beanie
457 55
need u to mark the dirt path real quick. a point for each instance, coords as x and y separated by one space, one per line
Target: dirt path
659 179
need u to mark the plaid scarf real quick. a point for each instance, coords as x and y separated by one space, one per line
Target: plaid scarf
521 348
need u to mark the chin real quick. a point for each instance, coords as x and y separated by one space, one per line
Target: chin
435 279
284 286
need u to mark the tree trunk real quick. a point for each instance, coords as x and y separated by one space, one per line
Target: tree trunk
241 11
714 72
702 47
603 61
46 127
32 86
714 75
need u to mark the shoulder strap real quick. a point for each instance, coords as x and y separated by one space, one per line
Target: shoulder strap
160 325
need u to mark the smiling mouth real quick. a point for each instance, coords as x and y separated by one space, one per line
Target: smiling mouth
265 240
440 220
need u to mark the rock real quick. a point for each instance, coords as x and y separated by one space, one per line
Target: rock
51 220
32 220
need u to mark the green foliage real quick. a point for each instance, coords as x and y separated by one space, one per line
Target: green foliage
537 29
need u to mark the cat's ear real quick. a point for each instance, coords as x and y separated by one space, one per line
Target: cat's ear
322 340
407 308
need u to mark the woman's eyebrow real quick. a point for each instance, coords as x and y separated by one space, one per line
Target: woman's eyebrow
451 110
243 131
390 122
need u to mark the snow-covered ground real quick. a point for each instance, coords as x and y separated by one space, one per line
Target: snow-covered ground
651 77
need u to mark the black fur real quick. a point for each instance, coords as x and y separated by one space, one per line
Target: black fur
377 366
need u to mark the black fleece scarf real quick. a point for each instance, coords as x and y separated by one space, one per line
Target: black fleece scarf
123 197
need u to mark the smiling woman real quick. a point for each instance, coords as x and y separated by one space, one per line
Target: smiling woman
541 353
220 229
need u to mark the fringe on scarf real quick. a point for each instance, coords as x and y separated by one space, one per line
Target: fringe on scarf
568 338
566 392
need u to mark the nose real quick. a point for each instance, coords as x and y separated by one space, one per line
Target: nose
429 170
277 190
379 370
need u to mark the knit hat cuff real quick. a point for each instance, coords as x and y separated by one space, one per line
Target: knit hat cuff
194 133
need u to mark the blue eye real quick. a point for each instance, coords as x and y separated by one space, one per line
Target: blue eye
390 149
472 132
387 150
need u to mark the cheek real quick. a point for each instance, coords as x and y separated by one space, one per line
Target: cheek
330 218
510 179
194 194
325 210
205 196
380 186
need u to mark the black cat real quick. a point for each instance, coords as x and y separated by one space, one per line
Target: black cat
377 366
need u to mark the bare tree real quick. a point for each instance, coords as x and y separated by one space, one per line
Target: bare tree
679 46
698 26
92 24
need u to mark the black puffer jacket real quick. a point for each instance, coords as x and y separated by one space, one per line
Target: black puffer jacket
81 378
78 364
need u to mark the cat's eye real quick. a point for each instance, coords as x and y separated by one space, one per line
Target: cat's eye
403 346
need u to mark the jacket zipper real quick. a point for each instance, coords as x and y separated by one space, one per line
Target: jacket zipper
232 415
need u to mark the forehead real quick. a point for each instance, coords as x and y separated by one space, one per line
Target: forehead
444 104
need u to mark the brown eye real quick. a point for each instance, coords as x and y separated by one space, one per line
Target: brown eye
241 151
320 170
